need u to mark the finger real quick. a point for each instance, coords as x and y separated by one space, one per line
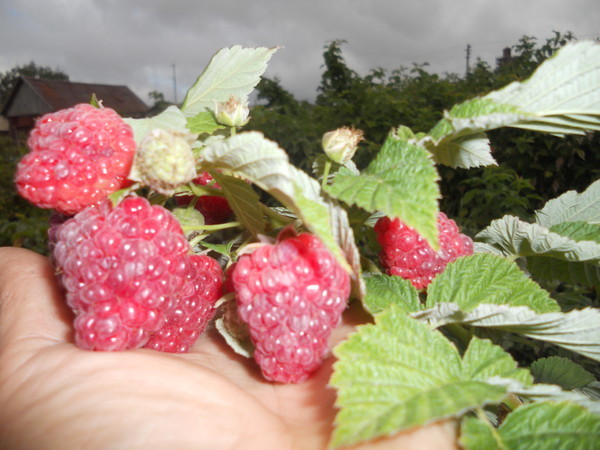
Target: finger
32 310
436 436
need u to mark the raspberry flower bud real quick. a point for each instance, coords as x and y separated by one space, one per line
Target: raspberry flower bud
233 112
164 161
341 144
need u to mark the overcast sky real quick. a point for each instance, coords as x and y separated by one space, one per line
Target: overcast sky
139 42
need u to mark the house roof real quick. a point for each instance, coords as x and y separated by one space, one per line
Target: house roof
59 94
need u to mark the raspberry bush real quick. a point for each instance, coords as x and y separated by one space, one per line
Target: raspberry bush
165 223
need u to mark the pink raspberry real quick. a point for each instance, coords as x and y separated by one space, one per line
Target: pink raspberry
131 280
291 295
193 312
214 208
405 253
78 157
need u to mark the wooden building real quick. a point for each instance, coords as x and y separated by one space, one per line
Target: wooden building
34 97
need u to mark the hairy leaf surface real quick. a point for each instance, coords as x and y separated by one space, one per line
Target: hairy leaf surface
386 382
576 330
541 425
484 278
385 290
233 71
251 156
400 182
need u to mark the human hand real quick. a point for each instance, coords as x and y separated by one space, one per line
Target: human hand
55 395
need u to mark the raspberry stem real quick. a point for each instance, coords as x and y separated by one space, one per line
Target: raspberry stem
461 333
219 226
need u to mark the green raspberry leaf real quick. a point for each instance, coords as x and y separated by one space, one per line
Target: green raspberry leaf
190 219
484 278
386 382
572 207
549 255
251 156
517 238
244 202
578 231
400 182
561 97
463 151
547 392
233 71
203 123
385 290
171 119
576 330
542 425
561 371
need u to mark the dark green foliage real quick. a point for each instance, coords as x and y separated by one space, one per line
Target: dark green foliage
484 194
21 224
533 168
159 104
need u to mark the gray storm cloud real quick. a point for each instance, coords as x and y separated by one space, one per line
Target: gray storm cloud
137 42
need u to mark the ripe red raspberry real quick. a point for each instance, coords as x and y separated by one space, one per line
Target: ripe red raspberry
194 309
78 157
130 279
405 253
291 295
214 208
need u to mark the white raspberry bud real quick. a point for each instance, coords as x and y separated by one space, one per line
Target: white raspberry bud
233 112
164 161
341 144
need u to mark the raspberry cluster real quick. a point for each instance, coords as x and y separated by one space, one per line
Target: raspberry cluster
128 271
405 253
131 280
291 294
78 156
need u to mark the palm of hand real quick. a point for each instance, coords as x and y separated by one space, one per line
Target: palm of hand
54 395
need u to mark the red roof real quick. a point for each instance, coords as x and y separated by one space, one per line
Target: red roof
59 94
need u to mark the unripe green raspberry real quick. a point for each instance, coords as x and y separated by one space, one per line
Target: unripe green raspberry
341 144
164 161
233 112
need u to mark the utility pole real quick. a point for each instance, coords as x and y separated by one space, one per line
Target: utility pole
468 50
174 83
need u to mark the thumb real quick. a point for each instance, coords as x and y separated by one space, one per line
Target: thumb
33 313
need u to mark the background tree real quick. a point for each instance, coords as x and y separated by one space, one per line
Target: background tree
9 78
159 104
532 167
